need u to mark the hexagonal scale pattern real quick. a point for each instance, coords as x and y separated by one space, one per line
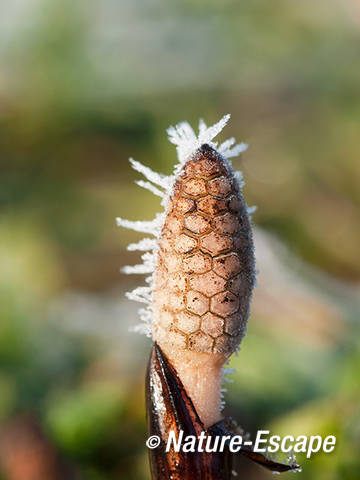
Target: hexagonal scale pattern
197 263
227 265
234 324
166 320
208 283
235 203
185 243
211 205
187 322
238 285
175 224
207 167
212 324
195 187
205 264
177 302
171 337
220 187
200 342
185 205
226 344
227 223
171 262
224 304
175 282
197 223
215 243
197 302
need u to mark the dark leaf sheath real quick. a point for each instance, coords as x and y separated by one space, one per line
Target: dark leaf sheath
169 408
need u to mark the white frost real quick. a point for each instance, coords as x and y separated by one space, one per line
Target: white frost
187 142
153 227
251 210
239 178
140 294
154 177
228 371
149 186
144 245
139 269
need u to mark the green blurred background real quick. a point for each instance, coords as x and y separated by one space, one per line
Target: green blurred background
86 84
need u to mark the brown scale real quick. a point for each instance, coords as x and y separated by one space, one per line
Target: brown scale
205 269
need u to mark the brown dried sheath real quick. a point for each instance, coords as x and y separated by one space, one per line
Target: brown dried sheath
170 408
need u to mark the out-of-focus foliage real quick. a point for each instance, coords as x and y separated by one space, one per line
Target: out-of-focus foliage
86 84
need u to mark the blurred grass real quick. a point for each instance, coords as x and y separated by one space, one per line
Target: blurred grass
85 85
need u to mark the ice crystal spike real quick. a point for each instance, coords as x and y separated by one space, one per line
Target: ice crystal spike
149 186
187 142
157 178
201 261
183 136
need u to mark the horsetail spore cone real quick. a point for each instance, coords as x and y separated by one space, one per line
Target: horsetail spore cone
201 276
205 265
201 262
204 277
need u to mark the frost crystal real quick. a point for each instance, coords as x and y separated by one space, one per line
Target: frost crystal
228 371
144 245
293 463
187 142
